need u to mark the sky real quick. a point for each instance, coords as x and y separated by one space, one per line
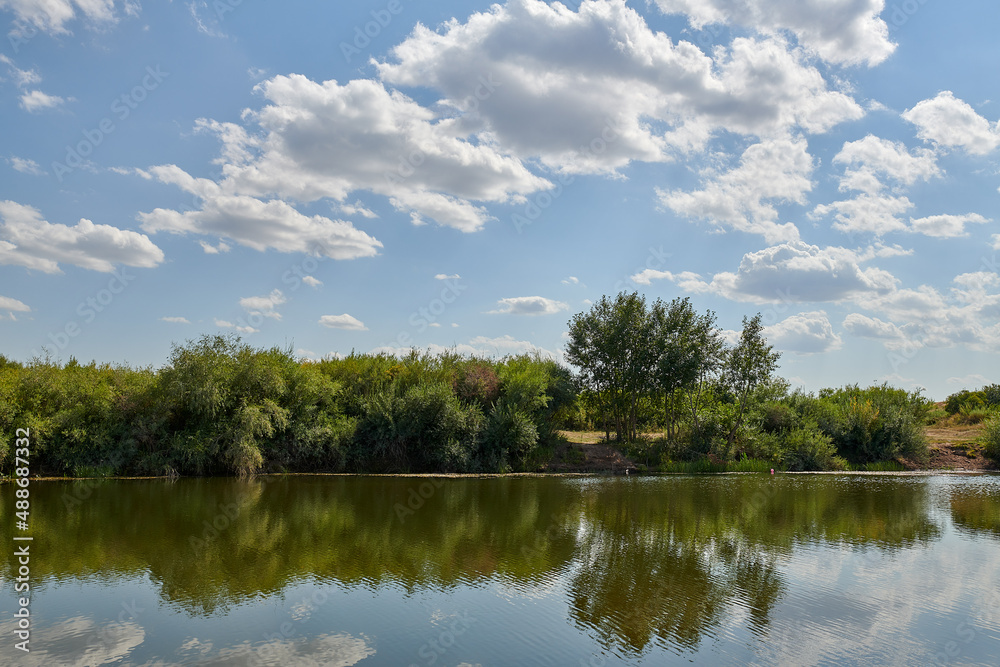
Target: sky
376 176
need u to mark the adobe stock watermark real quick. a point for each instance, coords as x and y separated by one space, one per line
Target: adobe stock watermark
432 650
428 315
364 34
417 497
121 108
899 14
87 311
538 203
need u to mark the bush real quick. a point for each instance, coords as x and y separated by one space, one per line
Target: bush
991 439
509 435
874 424
477 383
426 429
779 417
807 448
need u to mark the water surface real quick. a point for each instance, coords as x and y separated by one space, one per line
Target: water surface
734 569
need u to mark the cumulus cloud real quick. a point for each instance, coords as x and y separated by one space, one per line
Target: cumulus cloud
611 82
877 214
479 346
805 333
968 314
242 328
871 160
776 170
175 320
52 16
446 276
13 305
26 239
878 169
312 281
262 224
528 305
265 306
326 140
20 76
26 166
945 226
842 31
790 272
345 321
214 249
36 100
949 122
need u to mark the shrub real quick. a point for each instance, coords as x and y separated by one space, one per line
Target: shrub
807 448
779 417
991 439
477 383
509 436
991 395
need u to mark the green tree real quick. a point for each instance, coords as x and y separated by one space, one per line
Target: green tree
610 345
749 365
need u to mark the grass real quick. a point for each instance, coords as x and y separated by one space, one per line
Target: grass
705 465
877 466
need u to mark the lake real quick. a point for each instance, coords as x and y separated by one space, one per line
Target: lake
729 569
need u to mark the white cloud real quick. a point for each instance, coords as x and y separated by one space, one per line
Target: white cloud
588 91
528 305
9 304
480 346
311 134
973 380
793 273
244 328
871 163
36 100
214 249
840 31
445 276
26 166
28 240
265 306
945 226
870 159
863 326
312 281
775 170
572 280
967 315
357 208
344 321
21 77
949 122
996 241
175 320
263 224
876 214
52 16
805 333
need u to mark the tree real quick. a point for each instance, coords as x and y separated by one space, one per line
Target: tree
610 345
687 349
748 365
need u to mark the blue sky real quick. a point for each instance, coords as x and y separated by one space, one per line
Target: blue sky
380 175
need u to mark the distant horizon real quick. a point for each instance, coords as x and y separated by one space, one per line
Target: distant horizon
386 175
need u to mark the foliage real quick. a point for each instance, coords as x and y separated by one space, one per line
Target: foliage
875 424
991 439
220 406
